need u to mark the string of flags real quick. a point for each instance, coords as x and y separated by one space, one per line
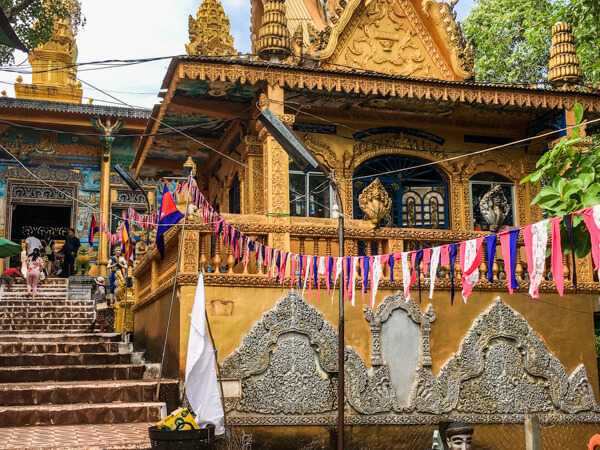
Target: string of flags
308 271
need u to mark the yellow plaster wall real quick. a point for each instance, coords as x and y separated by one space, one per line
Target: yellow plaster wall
565 324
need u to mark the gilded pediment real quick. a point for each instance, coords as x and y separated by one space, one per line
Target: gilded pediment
399 37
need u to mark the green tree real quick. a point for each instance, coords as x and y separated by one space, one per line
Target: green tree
33 21
511 39
584 16
570 177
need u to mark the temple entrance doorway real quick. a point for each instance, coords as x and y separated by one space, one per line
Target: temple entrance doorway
39 220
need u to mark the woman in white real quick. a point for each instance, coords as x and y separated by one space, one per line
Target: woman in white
34 265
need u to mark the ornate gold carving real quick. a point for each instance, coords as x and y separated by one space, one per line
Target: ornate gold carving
383 42
209 32
274 40
564 72
258 185
375 202
191 252
461 53
381 25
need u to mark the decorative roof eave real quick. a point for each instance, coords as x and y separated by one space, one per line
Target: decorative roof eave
366 82
74 108
376 83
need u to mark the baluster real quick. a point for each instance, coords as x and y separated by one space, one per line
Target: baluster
230 259
328 247
518 266
202 252
217 257
457 269
566 266
483 266
355 253
301 249
316 247
368 249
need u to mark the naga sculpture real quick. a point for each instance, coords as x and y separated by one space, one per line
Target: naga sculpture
375 202
494 207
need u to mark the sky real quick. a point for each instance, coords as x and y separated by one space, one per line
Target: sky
131 29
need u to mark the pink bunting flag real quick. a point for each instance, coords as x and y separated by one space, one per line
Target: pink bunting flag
470 259
591 217
557 264
536 240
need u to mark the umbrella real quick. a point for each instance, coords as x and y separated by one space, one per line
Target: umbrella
9 248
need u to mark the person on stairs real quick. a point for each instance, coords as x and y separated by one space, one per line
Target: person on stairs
70 248
34 266
9 275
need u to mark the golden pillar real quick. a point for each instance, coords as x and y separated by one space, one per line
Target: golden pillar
276 170
107 129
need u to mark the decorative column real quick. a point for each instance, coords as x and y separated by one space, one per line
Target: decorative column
107 129
564 73
255 182
276 169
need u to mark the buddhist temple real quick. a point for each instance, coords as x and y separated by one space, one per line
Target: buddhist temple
412 154
382 93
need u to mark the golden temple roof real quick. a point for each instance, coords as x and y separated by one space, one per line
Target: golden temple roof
209 32
54 73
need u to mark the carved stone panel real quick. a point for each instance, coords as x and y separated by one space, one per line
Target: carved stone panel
288 364
503 367
400 341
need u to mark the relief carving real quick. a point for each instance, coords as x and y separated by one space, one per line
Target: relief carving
288 363
503 367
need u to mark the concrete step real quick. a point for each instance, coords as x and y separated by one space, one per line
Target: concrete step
60 337
81 413
42 329
24 314
32 321
64 347
102 391
86 372
64 359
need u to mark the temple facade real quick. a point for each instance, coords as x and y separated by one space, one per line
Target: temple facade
381 92
57 160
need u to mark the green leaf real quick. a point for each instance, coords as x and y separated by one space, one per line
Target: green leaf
578 111
558 184
591 196
572 187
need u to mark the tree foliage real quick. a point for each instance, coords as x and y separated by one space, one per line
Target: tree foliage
33 21
570 178
512 38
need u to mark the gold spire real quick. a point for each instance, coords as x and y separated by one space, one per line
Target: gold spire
54 74
565 72
209 32
274 40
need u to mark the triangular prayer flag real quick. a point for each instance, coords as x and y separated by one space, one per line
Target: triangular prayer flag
168 216
508 242
93 230
490 245
557 264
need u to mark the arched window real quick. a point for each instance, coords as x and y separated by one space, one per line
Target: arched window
318 201
234 196
481 183
419 193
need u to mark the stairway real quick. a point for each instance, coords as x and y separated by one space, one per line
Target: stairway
51 311
53 373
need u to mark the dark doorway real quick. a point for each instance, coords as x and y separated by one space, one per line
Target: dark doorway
39 220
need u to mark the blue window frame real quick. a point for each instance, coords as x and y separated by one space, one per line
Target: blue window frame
419 193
